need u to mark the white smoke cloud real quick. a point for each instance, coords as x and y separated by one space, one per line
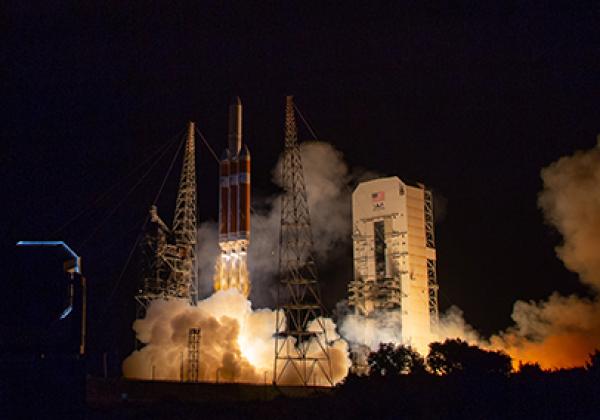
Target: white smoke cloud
237 343
207 251
560 331
386 327
563 330
327 183
326 177
379 327
571 203
329 197
452 324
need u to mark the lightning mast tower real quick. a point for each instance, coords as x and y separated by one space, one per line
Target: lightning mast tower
170 253
301 346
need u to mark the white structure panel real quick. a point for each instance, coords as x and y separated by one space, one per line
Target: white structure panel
391 273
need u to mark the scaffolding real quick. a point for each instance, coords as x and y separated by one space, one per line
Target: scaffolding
169 254
431 264
382 290
301 345
194 335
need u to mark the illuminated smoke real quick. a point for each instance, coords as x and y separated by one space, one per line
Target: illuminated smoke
207 251
559 332
386 327
380 327
236 345
563 330
237 341
326 176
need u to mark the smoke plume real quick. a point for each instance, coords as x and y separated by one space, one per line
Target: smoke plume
563 330
237 343
380 327
559 332
327 177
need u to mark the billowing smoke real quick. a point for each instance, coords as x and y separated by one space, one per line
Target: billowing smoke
559 332
380 327
326 176
563 330
207 251
329 197
237 342
452 324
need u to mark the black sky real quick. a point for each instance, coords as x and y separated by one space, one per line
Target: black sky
471 99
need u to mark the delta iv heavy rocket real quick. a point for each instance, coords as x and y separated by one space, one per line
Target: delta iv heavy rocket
234 208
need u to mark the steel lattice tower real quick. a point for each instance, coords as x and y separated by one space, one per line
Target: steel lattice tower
170 263
431 264
301 345
184 221
193 354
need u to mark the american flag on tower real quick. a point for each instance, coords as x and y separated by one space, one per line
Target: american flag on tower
378 196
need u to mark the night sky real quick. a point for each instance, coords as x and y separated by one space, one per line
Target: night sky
472 100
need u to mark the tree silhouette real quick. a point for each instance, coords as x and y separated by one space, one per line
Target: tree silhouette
458 357
593 365
530 370
391 360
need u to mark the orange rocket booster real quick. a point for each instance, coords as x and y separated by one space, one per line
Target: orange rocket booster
244 194
234 202
224 196
233 198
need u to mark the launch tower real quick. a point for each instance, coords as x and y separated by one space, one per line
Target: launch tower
170 266
394 256
234 208
301 346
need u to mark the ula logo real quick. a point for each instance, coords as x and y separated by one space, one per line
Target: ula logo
377 199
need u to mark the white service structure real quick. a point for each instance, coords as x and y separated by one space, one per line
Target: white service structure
394 256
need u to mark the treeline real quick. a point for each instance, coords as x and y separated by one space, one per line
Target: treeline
454 381
448 358
458 380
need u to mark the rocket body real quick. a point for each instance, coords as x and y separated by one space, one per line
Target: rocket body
224 196
234 208
243 228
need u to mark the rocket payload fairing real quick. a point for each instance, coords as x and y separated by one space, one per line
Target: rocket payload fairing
234 208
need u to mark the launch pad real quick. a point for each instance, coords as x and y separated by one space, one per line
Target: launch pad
302 349
109 392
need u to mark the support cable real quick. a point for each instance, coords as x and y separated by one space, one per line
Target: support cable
143 226
111 188
210 149
127 195
212 152
306 124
